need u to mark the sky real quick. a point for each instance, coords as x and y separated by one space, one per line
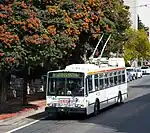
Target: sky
144 12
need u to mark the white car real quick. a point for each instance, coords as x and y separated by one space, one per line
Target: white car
145 70
132 71
138 73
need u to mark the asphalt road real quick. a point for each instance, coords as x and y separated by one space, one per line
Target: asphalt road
131 117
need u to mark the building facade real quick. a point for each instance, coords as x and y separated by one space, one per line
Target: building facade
133 12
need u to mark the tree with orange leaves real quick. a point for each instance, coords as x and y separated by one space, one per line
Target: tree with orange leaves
57 31
66 21
84 21
23 40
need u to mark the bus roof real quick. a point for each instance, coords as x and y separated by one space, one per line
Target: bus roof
82 67
87 68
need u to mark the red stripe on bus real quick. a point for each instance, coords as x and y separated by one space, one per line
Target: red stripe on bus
109 70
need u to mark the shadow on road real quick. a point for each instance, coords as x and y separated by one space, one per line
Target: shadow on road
46 116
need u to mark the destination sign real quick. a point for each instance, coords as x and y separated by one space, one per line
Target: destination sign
66 75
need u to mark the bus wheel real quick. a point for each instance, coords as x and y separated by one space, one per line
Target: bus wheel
119 100
96 108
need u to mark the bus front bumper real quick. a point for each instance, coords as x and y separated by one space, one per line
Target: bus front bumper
65 110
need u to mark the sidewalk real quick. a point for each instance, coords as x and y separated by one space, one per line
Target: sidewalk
15 109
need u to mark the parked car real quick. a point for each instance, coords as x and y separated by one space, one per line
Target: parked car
132 71
129 76
145 70
138 72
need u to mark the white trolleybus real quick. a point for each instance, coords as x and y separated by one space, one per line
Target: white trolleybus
85 88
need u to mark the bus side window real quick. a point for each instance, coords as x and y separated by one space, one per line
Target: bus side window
96 82
119 79
90 86
115 80
111 79
106 77
101 82
123 78
106 82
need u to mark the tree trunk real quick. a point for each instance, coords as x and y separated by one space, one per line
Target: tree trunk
25 81
3 91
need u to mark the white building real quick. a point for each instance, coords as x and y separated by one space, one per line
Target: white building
144 12
133 11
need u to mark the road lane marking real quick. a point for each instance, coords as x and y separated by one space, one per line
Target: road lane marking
21 127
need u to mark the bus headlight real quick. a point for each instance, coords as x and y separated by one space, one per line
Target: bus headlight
80 105
51 104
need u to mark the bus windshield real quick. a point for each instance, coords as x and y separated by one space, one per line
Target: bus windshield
66 84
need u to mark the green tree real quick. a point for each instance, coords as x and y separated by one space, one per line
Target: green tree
141 25
137 45
118 13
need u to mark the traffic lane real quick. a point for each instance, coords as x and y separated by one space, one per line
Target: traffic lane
139 87
131 117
